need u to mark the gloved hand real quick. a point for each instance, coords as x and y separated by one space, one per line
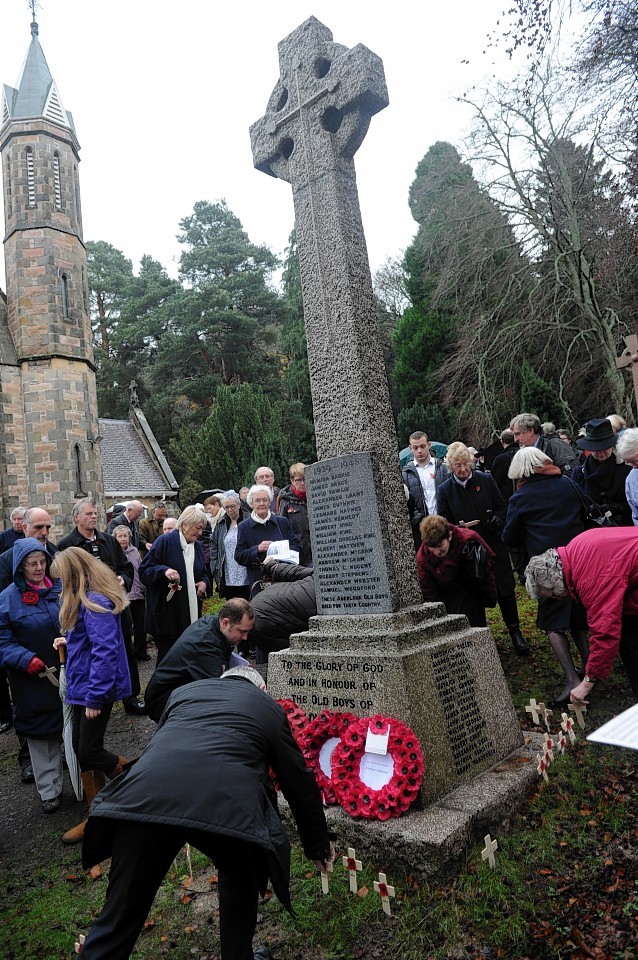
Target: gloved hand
36 666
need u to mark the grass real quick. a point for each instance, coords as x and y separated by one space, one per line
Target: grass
565 884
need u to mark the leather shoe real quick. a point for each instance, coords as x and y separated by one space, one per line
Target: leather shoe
263 954
5 725
50 806
26 774
135 707
518 641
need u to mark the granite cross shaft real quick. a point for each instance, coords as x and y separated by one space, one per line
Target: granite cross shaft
316 119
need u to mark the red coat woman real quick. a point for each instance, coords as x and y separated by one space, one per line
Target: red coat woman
456 567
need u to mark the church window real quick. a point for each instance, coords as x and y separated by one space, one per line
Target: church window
64 292
30 177
56 181
7 181
77 463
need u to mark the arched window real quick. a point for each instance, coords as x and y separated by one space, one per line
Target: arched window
30 177
56 181
7 183
77 463
64 293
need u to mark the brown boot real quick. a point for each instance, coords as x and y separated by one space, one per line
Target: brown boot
92 781
118 768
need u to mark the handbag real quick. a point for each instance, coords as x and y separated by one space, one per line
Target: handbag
596 514
474 560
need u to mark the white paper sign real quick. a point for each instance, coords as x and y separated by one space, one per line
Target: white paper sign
280 550
377 742
376 772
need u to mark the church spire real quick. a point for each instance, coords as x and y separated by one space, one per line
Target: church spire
36 93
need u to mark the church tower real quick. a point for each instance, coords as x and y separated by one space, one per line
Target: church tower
49 453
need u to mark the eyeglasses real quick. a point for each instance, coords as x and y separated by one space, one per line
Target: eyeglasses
299 480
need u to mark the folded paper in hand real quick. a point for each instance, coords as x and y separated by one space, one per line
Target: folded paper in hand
280 550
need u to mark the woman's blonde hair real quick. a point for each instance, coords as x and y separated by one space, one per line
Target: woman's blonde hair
457 452
79 573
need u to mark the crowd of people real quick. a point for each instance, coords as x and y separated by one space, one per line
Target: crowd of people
559 515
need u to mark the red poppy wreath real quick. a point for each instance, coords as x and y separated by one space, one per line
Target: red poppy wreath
297 717
318 743
374 786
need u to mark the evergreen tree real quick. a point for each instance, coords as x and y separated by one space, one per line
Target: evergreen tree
243 431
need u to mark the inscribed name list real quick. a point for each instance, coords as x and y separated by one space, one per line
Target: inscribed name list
346 527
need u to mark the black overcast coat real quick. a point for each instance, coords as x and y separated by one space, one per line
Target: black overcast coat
200 653
480 499
207 768
284 606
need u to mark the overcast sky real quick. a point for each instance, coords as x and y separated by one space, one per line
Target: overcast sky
163 93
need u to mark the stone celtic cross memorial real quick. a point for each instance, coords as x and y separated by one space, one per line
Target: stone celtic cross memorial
374 647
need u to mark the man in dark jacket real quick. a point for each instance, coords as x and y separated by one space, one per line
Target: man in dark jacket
164 569
201 653
128 518
285 605
104 547
528 432
15 531
212 789
422 476
502 463
36 523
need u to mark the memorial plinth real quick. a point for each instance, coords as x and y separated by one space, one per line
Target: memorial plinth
432 671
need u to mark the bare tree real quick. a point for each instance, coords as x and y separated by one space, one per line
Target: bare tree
539 162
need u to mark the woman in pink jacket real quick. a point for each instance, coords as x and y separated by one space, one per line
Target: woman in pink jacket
599 568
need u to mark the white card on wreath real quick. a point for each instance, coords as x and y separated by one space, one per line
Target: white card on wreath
377 742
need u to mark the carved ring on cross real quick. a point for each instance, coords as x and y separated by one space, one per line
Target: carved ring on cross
324 88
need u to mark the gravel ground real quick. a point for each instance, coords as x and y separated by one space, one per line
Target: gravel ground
30 836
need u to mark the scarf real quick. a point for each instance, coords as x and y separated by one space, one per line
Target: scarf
45 585
260 519
188 549
300 494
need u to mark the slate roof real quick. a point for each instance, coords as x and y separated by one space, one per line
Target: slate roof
130 469
36 94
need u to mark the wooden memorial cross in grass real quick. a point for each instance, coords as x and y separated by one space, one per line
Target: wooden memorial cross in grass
385 891
580 710
629 357
568 727
542 767
325 884
491 846
352 865
535 709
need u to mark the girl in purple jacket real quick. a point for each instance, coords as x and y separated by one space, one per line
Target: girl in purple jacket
97 671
